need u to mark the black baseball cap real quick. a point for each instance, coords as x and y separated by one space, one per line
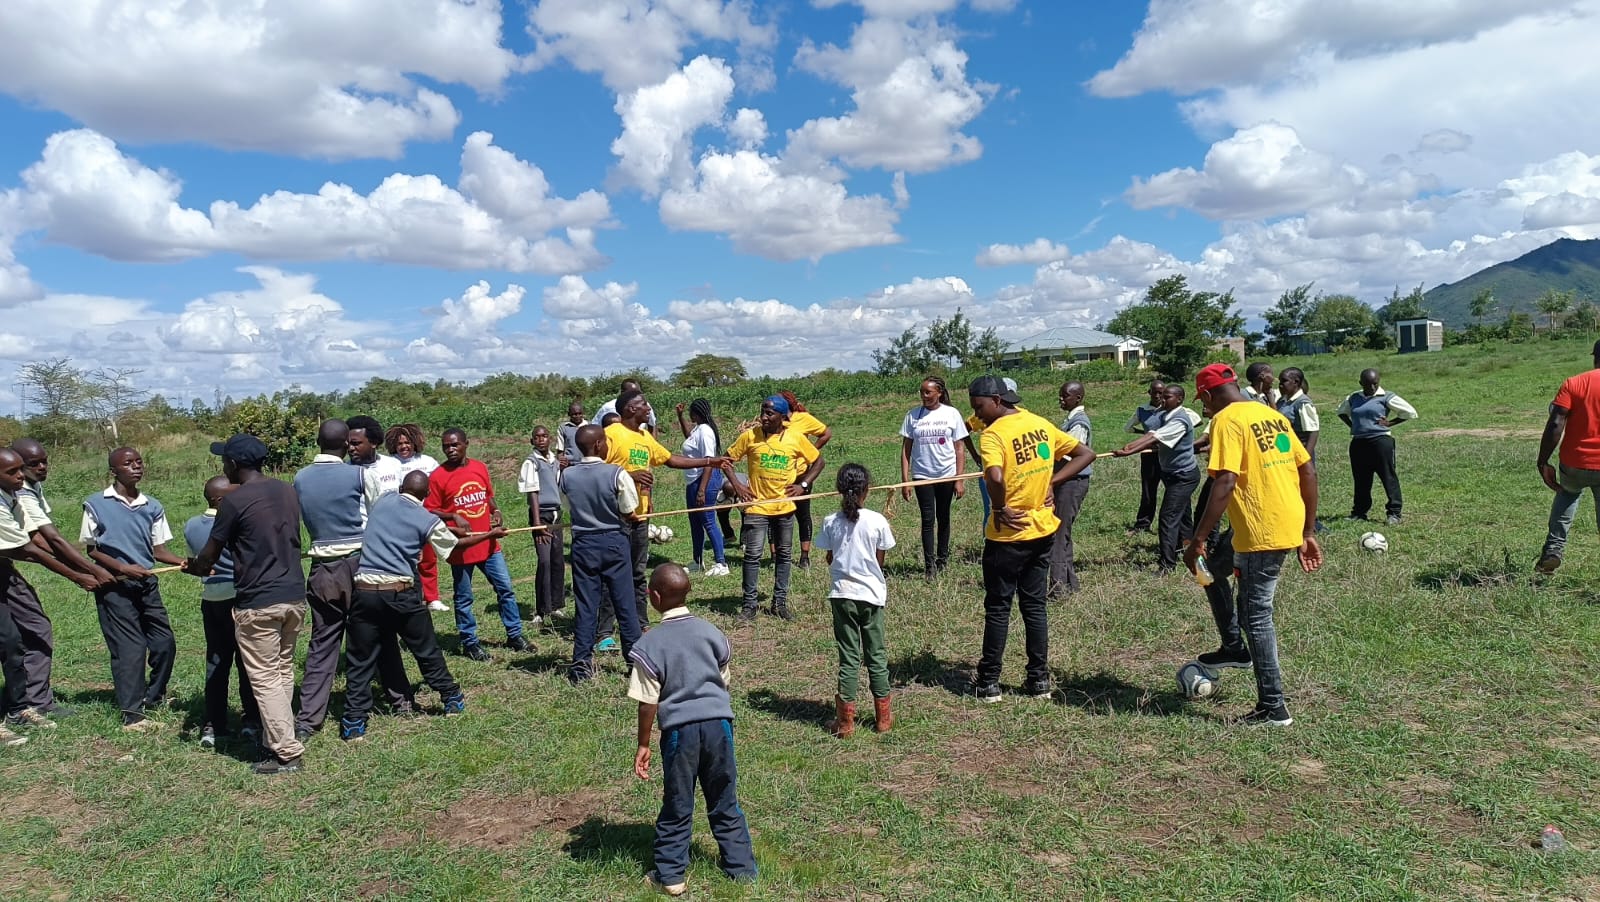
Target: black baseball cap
243 449
993 386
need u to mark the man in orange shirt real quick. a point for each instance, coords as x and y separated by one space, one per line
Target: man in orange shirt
1574 423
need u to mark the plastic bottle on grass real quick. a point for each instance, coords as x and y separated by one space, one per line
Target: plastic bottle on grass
1551 840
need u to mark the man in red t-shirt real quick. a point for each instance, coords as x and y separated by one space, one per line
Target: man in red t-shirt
460 490
1575 424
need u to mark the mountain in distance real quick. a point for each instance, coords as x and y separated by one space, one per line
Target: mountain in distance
1566 264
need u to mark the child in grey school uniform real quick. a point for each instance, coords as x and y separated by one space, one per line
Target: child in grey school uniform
680 676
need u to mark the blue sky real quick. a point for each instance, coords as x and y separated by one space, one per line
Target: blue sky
792 183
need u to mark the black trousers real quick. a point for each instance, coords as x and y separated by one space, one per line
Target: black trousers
1371 457
639 561
11 670
223 658
1177 518
330 588
1069 497
38 638
139 634
377 619
933 503
1219 559
1020 570
802 520
1149 485
550 574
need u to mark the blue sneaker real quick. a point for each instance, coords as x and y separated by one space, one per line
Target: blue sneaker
455 704
352 730
609 643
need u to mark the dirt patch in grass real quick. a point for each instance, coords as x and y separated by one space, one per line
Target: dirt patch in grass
24 882
1428 799
485 821
380 889
70 818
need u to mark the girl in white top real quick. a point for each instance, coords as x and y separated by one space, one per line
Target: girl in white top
705 485
932 447
855 540
405 443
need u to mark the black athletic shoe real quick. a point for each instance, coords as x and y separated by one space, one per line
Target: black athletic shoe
1040 689
475 652
989 693
271 767
748 615
782 612
1226 657
517 643
1266 717
1548 563
304 734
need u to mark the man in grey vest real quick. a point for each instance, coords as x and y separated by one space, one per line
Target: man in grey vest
334 496
1173 440
388 602
539 480
601 499
1070 493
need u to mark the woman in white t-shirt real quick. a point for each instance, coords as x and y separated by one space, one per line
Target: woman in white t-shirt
932 447
405 443
855 540
705 484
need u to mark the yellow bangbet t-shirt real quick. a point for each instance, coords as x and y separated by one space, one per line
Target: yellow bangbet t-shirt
773 462
1025 446
1258 444
808 425
634 450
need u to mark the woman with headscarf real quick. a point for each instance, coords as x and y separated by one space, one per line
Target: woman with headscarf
819 434
781 463
705 484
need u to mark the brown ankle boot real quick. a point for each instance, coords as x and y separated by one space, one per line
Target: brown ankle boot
885 717
844 717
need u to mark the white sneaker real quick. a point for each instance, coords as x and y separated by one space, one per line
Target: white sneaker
717 570
437 605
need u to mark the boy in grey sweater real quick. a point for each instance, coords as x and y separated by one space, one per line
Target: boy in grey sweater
680 676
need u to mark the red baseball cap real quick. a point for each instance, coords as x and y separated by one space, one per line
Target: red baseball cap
1214 375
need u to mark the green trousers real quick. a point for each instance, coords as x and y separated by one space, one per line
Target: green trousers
858 628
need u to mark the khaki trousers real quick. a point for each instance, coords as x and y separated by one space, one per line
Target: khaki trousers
266 645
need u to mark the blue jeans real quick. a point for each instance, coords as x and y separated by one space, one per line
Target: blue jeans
500 578
1258 572
701 752
704 525
1564 508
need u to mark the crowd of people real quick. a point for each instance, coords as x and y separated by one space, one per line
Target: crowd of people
377 526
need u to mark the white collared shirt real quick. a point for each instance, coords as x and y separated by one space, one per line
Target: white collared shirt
528 475
160 532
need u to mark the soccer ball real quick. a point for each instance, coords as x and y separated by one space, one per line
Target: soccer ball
1374 542
1196 680
660 535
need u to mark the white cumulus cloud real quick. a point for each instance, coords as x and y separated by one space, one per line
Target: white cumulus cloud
298 77
473 317
1035 252
659 122
633 43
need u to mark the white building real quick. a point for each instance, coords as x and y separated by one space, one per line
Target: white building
1066 346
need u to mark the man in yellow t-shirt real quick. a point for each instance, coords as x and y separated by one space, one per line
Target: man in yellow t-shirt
781 463
1019 451
635 450
1264 481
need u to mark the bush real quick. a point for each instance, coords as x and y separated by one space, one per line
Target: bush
290 435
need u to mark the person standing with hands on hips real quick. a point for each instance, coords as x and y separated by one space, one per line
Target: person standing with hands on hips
1264 480
1371 413
1020 450
773 453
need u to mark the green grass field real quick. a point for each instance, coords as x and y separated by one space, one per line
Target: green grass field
1445 709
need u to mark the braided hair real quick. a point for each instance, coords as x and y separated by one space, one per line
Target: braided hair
944 392
700 409
412 433
794 403
852 484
